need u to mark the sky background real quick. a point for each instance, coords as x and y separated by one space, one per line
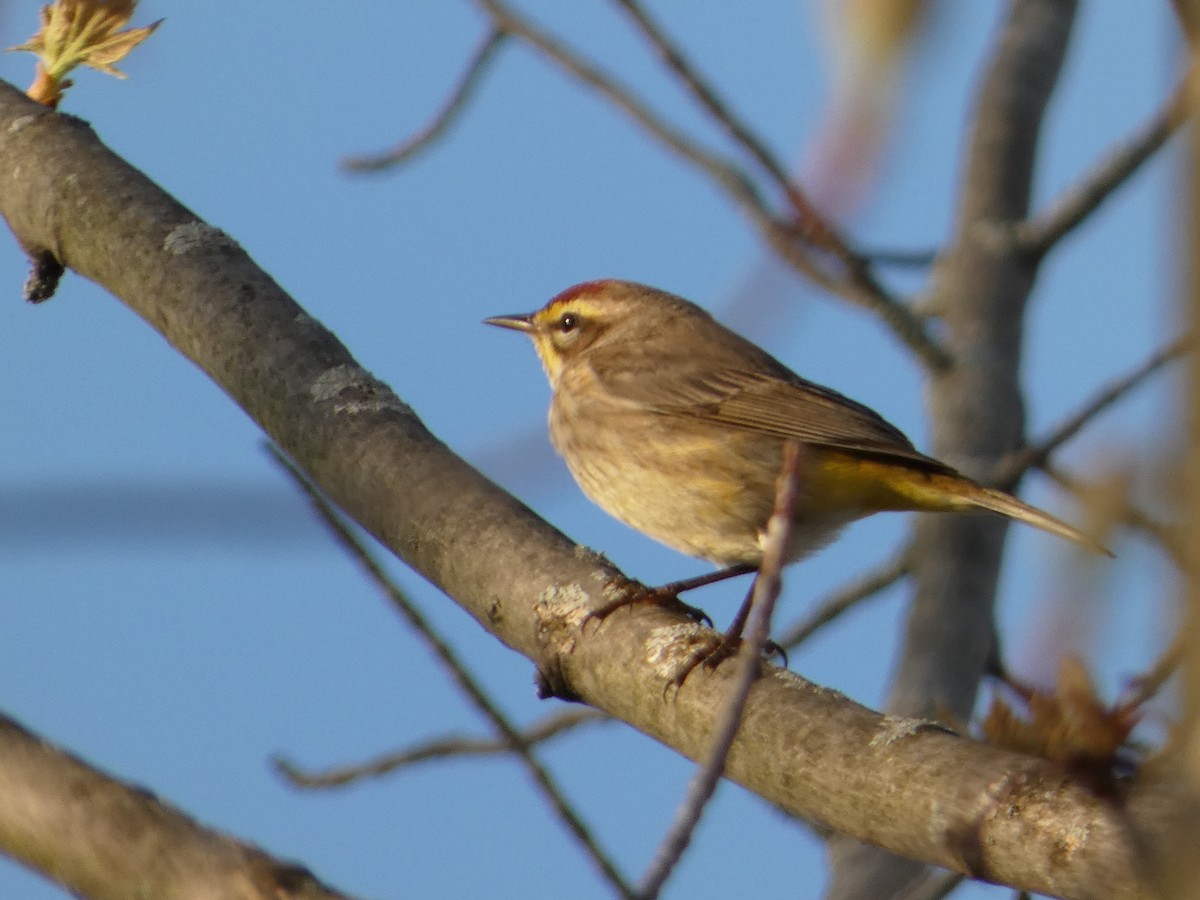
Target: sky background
169 608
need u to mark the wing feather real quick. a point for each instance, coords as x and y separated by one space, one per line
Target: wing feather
778 403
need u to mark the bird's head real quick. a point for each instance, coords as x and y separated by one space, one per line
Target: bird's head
594 314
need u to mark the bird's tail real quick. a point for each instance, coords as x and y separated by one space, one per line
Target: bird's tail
877 484
1008 505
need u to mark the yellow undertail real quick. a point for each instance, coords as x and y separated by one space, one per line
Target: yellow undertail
840 480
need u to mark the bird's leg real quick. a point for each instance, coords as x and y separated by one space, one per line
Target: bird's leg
726 645
687 584
720 647
729 641
733 633
667 595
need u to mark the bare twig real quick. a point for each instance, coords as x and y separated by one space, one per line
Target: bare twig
1145 686
812 227
100 837
734 180
749 659
549 727
705 93
458 672
908 325
818 230
1168 537
856 286
1038 453
1035 455
1037 235
848 596
443 119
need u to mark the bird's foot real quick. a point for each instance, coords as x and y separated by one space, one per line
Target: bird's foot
631 592
714 650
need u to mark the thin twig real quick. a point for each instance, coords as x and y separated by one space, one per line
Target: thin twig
549 727
1035 455
1037 235
705 93
749 660
1169 538
906 323
849 595
1145 686
732 178
857 286
818 229
813 228
458 672
443 119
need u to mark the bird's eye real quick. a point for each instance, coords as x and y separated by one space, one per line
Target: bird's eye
568 323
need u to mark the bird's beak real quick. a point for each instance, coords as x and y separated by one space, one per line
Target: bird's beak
516 323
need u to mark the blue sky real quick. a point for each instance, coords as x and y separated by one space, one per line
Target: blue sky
172 613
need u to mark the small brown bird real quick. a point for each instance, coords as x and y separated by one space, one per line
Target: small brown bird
675 425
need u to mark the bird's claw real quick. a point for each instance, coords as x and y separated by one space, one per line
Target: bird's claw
715 650
632 593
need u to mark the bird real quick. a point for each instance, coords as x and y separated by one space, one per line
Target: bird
676 425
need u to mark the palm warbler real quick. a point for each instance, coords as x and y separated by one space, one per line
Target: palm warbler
675 425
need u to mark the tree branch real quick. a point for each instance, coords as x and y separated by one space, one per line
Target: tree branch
915 790
767 585
550 726
786 239
1170 538
818 230
1037 454
861 588
107 840
1038 235
443 119
980 288
466 682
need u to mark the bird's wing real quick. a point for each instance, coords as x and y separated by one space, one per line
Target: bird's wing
780 404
